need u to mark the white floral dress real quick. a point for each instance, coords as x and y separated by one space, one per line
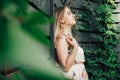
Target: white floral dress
77 70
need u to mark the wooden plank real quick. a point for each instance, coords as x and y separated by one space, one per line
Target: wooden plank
37 8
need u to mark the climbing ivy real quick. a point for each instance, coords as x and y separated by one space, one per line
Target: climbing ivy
102 61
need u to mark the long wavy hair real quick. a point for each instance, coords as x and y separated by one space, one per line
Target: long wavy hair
58 14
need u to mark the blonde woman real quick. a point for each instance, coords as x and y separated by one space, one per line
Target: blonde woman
69 54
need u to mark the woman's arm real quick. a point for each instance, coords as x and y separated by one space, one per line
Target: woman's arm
64 58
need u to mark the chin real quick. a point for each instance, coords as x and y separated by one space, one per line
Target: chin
74 23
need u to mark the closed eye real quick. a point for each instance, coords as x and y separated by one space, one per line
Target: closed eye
69 12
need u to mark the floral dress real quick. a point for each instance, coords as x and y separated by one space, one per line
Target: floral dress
77 71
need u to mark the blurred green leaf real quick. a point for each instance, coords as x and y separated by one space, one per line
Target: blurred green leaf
28 53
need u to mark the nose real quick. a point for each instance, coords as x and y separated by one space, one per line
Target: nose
74 15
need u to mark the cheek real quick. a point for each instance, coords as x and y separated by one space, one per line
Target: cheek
70 21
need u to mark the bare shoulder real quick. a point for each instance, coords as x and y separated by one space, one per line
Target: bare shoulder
60 39
60 36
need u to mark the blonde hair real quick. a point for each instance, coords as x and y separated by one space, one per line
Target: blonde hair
58 14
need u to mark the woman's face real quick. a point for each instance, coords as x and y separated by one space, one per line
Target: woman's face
68 17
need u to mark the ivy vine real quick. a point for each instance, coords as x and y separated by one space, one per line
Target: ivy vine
102 61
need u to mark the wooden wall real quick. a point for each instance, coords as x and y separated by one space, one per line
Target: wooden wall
117 23
84 38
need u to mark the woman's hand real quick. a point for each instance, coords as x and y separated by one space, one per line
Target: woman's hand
72 42
84 75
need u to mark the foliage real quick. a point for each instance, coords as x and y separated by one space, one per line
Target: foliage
24 43
102 62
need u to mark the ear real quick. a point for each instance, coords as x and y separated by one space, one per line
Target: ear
62 21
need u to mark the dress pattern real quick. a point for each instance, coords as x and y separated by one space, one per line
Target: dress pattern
77 71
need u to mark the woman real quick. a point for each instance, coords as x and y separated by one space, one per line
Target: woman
70 56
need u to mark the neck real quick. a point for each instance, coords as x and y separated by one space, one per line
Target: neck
66 31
